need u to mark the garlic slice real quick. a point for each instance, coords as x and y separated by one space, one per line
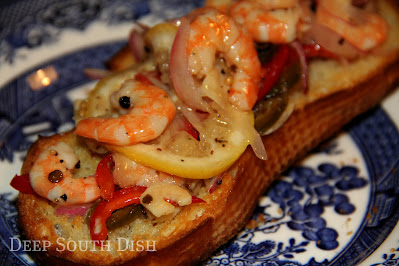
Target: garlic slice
154 198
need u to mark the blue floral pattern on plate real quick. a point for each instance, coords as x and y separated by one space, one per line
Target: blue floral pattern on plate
33 23
301 203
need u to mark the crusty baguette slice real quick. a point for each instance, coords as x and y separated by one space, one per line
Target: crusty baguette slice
122 60
199 229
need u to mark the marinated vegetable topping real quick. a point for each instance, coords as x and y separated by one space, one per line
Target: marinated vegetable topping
200 86
281 74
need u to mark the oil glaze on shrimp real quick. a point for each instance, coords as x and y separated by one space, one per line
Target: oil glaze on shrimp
268 21
362 28
143 112
51 177
128 173
214 34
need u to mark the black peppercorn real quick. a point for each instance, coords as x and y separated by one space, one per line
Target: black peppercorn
55 176
124 102
64 197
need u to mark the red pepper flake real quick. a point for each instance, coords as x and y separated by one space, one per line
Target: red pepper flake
190 129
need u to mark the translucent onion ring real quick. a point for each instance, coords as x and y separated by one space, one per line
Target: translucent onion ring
183 80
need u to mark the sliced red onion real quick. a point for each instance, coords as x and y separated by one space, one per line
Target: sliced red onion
257 145
304 65
195 118
96 73
213 183
151 76
137 44
183 80
72 210
333 42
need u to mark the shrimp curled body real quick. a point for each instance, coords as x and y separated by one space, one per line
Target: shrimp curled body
268 21
128 173
144 111
362 28
215 34
51 177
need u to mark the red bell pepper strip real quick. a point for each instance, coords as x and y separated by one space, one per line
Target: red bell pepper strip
104 177
22 184
271 71
121 198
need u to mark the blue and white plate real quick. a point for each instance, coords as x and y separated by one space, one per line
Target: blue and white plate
338 206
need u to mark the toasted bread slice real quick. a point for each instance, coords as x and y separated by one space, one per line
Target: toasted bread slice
335 97
122 60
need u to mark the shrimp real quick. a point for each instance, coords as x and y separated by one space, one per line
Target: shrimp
51 177
128 173
143 112
362 28
214 34
268 21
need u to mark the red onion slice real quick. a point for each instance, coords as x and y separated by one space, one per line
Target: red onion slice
333 42
183 80
151 76
304 65
213 183
72 210
137 44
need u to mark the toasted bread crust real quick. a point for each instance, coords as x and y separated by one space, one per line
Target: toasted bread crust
199 230
122 60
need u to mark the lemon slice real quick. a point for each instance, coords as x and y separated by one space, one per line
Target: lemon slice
187 157
223 135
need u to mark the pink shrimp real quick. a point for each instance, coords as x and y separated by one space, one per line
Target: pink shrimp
51 177
268 20
215 35
144 112
128 173
362 28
